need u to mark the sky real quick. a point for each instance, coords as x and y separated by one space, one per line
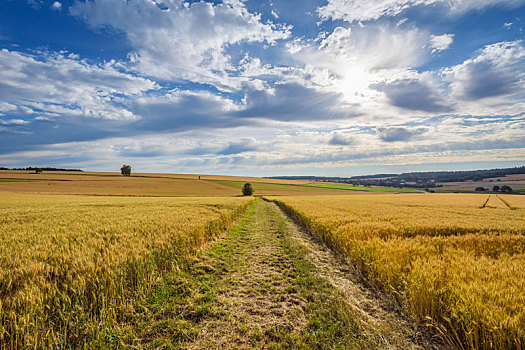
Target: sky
263 87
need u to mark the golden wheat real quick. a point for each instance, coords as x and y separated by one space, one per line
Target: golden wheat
70 265
454 262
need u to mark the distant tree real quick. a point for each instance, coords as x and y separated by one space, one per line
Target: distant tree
125 170
506 188
495 188
247 189
480 189
38 171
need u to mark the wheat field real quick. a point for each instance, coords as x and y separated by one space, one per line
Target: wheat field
71 265
454 261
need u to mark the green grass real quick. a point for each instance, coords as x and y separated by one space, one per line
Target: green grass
348 187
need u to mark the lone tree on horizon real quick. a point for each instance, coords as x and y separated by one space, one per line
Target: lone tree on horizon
247 189
125 170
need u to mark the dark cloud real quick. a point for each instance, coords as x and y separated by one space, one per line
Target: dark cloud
238 147
413 95
294 102
497 70
341 140
166 114
483 79
38 132
184 111
399 134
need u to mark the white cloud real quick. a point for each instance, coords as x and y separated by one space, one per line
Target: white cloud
269 149
358 10
491 83
56 84
496 73
441 42
57 6
375 67
356 59
178 41
423 92
14 121
376 46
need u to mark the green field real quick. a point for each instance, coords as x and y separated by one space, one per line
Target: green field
348 187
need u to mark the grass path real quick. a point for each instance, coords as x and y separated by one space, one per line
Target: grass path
266 284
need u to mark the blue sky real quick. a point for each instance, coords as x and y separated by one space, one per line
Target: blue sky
279 87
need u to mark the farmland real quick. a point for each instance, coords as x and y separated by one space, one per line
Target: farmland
69 264
349 187
159 185
516 182
183 261
109 184
454 261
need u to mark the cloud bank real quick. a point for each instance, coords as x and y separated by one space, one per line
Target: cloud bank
234 86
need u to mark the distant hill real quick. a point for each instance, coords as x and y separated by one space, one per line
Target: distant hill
415 179
43 169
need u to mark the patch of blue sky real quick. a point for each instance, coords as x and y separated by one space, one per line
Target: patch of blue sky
472 31
25 28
